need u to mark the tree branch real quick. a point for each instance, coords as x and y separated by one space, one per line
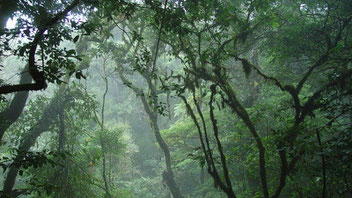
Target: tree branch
38 76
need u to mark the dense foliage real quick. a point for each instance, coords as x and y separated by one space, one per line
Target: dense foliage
203 98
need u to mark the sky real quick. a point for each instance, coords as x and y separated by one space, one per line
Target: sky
11 23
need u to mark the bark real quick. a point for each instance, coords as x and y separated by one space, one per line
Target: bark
152 113
13 112
103 149
60 175
168 175
236 106
229 190
226 188
106 183
323 193
232 100
38 76
47 119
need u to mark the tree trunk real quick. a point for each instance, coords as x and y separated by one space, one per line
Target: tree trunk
106 183
168 175
48 118
13 112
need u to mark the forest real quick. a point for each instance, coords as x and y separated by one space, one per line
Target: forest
176 98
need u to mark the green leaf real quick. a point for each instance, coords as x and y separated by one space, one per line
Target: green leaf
76 39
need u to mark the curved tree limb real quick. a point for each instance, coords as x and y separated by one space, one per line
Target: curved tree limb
38 76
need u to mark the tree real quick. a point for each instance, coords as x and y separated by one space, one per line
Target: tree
257 92
147 68
48 118
42 23
190 43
